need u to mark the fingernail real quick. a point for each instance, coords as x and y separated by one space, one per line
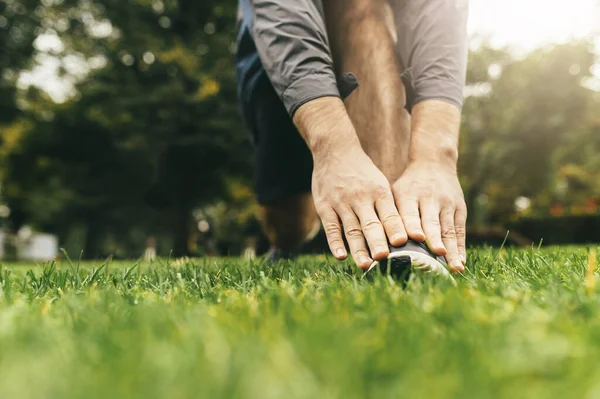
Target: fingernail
439 249
365 261
463 259
397 237
458 267
340 253
380 250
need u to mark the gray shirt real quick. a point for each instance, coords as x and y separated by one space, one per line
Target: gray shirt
291 39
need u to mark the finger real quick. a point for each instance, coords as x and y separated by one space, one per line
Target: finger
355 238
409 211
333 231
430 219
392 222
449 239
460 224
373 232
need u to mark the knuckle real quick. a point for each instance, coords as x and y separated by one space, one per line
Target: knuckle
353 232
339 200
340 205
326 215
332 228
446 199
453 252
460 231
427 195
411 214
372 225
322 207
410 196
449 233
433 222
359 195
381 192
390 218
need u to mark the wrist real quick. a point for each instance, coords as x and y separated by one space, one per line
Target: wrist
325 126
439 157
434 134
433 147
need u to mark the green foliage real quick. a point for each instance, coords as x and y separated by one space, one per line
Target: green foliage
528 117
18 25
520 324
152 118
166 91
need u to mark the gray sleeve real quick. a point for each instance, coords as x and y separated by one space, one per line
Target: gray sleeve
432 44
292 43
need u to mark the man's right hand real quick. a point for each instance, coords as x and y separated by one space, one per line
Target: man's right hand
347 186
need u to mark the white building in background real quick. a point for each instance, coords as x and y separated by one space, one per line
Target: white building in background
31 246
38 247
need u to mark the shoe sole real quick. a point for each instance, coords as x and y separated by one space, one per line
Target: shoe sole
420 264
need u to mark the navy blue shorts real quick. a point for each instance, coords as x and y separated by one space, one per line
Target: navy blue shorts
283 162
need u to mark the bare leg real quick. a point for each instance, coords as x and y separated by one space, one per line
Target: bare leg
362 39
290 222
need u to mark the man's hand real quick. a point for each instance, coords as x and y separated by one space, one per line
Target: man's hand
428 195
432 206
347 186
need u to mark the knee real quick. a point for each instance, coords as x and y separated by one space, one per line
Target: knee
289 223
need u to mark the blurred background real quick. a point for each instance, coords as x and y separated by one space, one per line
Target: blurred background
107 106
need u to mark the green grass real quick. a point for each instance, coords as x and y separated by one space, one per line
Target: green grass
520 324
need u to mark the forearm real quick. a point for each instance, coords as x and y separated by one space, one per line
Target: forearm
435 133
428 194
325 126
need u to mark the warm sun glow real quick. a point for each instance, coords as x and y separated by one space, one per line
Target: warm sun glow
520 24
527 24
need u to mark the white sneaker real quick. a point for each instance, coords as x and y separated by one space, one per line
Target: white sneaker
413 258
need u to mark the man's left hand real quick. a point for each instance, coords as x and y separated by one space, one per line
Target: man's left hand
432 206
428 194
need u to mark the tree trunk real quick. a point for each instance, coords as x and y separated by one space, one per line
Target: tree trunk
181 231
91 249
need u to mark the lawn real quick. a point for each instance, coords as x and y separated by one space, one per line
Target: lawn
520 324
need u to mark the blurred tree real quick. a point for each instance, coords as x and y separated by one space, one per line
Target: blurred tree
163 84
146 112
519 113
18 29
